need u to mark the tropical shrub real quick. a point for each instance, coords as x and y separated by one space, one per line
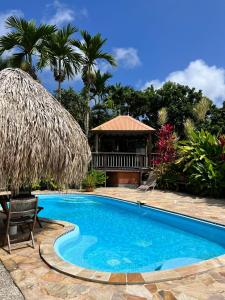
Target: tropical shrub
89 182
170 177
46 184
202 161
94 178
100 177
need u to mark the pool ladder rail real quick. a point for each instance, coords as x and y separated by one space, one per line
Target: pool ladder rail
140 203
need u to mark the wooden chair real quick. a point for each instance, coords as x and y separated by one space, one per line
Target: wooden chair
40 208
21 211
4 199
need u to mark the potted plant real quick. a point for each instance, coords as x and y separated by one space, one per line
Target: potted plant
94 178
89 183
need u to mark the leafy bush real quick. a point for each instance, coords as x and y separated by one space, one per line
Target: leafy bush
170 177
202 161
100 177
89 181
94 178
46 184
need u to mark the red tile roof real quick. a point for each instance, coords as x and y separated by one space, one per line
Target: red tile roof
123 123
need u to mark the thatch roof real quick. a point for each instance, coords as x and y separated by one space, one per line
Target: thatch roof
38 137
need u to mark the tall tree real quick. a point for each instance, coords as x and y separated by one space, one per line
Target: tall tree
179 101
92 53
4 63
126 100
215 123
58 52
99 87
74 103
25 38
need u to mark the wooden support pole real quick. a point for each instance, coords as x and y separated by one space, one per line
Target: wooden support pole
96 142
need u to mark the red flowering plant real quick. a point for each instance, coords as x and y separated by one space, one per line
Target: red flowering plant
165 147
166 156
222 144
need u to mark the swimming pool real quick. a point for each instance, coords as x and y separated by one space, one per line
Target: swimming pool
118 236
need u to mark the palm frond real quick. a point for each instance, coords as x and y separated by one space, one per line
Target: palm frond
8 41
16 23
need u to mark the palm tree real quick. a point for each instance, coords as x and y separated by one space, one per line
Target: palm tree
99 87
26 39
4 63
9 62
91 49
59 53
119 97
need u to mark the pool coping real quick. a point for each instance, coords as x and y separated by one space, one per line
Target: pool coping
50 257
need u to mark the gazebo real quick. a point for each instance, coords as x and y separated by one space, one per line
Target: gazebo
122 149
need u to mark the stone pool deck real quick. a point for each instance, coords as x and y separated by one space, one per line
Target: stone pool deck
38 281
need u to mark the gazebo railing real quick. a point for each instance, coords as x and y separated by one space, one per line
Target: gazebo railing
120 160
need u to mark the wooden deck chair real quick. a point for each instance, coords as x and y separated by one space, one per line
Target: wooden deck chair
150 182
21 211
4 199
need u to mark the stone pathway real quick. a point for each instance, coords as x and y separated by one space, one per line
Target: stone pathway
38 282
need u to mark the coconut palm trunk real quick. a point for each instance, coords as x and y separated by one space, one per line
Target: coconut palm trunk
30 60
87 122
59 92
87 115
59 81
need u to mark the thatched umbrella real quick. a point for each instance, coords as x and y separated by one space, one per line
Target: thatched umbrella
38 137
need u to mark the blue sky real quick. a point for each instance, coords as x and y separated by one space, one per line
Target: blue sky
153 40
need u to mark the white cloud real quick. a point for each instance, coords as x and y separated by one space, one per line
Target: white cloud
156 83
209 79
6 15
63 14
103 67
128 57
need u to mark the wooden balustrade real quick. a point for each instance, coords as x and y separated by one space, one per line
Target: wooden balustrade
116 160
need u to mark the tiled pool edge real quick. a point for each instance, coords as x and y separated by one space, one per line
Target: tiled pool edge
48 254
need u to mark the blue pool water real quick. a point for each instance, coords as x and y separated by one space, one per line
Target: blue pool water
117 236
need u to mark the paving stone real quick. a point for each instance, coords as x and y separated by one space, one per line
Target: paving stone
117 278
134 278
152 287
53 276
138 290
167 295
10 264
118 296
216 297
187 297
131 297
